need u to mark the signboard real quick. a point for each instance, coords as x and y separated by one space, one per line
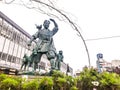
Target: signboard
99 56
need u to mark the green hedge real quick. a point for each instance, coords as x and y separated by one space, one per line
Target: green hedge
59 81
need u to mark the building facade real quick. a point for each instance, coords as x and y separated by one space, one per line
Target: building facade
115 63
13 43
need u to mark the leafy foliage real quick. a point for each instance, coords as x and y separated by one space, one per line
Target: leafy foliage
86 77
30 85
46 83
2 77
70 82
73 88
57 74
59 81
9 84
109 80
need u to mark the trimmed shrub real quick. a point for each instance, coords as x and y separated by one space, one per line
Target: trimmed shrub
73 88
46 83
30 85
9 84
2 77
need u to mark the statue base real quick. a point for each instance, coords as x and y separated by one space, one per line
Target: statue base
37 73
28 73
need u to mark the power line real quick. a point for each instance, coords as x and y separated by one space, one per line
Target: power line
102 38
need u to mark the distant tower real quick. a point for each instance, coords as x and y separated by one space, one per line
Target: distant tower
99 62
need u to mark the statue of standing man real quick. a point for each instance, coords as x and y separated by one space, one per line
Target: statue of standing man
45 44
59 59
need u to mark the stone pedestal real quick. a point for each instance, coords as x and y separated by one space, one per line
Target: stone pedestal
28 73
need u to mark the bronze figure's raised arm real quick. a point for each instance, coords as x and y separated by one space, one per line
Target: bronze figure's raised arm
45 44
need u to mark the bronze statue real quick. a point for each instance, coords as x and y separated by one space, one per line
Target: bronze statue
25 62
45 44
59 60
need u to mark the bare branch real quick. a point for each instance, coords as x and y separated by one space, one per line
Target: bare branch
9 1
51 3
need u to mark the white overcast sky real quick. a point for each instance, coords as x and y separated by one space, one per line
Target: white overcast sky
96 18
